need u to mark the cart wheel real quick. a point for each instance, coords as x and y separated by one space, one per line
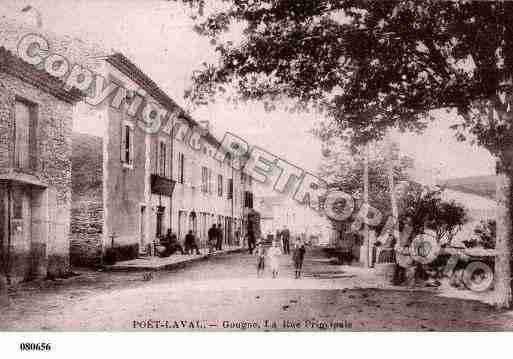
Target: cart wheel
478 276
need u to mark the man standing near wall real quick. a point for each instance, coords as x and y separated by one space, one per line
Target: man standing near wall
251 239
219 237
212 237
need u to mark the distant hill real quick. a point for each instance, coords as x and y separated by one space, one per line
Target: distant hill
479 185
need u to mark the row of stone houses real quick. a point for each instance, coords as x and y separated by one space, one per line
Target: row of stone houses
130 186
118 187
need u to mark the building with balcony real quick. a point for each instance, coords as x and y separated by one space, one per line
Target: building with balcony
129 185
35 170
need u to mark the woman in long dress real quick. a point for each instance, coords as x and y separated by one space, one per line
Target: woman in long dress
273 254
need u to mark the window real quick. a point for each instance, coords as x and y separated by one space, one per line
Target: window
248 199
181 167
24 146
127 144
220 185
230 188
204 179
17 204
245 179
162 158
210 182
160 221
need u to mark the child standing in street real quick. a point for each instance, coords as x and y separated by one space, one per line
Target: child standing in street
260 253
298 256
274 254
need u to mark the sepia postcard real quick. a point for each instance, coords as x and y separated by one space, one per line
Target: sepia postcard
255 166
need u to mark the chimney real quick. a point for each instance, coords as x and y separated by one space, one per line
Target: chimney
32 16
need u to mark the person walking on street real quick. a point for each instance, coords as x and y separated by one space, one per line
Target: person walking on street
212 238
251 240
298 256
274 254
190 243
237 237
260 253
285 237
219 238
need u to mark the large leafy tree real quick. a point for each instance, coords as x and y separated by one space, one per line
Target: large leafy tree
373 65
343 170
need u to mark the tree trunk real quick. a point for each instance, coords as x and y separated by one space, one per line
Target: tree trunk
503 241
391 184
367 263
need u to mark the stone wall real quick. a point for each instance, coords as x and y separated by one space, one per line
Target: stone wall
45 251
87 200
6 142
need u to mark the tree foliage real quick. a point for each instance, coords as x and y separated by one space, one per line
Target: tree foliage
343 170
370 64
425 209
485 235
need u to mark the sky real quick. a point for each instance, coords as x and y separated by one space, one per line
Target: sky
157 35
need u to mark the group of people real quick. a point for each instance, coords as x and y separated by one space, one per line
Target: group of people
169 244
215 237
274 252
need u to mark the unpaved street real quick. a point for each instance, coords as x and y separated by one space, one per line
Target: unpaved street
224 293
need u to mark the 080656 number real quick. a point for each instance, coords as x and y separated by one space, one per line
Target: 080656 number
35 347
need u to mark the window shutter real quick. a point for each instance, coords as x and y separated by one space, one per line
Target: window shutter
209 181
122 149
181 160
155 152
131 135
169 160
184 169
179 168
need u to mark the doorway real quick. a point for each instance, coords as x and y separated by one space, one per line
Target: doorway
160 221
16 250
142 228
193 222
21 217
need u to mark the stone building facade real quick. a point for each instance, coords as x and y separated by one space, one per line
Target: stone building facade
146 183
131 185
35 170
